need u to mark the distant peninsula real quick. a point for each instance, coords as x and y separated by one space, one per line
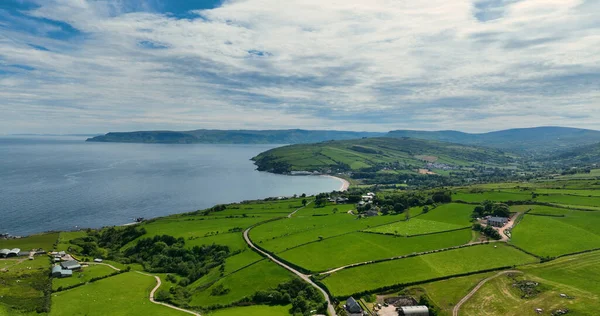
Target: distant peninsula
206 136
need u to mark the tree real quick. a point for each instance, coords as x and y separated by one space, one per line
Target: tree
425 209
399 207
304 202
162 295
335 210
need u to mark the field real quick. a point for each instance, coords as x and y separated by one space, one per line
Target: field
360 247
64 238
124 294
551 236
83 276
258 310
243 283
500 196
577 277
44 241
421 268
22 285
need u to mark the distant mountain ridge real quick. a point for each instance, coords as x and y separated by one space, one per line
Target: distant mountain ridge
526 140
536 140
292 136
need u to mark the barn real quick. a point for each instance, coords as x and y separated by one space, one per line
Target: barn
413 311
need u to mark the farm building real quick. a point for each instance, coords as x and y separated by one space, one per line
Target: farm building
98 260
4 253
7 253
497 221
353 308
413 311
370 213
70 265
59 272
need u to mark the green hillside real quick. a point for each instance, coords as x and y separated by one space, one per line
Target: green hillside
379 154
527 140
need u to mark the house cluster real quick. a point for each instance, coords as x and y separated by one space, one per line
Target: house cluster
60 256
354 308
65 269
367 198
443 166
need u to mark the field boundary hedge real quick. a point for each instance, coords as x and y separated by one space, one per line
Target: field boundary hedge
403 285
416 235
92 280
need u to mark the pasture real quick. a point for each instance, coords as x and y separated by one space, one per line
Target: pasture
284 234
422 268
360 247
22 285
551 236
578 277
256 310
243 283
81 277
124 294
44 241
499 196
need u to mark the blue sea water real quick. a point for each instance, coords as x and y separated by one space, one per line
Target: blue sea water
63 183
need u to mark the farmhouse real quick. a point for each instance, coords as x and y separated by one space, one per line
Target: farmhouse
98 260
497 221
59 272
370 213
70 265
353 308
413 311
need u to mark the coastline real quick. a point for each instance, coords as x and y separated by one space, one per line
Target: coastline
345 183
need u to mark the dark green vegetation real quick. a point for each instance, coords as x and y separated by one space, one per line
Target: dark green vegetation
293 136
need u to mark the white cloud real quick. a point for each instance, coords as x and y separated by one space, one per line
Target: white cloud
356 64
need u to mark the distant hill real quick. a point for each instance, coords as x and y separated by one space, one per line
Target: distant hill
293 136
378 154
525 140
580 156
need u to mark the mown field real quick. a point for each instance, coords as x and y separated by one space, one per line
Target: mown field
442 218
361 247
44 241
426 267
564 232
490 196
258 310
125 294
578 277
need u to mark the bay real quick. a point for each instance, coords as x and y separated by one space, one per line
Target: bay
63 183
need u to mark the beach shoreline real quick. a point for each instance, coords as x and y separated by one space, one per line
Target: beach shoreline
345 183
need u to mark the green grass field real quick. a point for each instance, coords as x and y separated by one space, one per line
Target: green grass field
258 310
64 239
261 276
44 241
281 235
554 236
125 294
83 276
22 284
421 268
576 276
361 247
499 196
570 200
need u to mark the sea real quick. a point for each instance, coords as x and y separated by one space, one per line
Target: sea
50 183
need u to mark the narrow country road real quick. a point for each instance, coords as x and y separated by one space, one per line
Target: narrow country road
158 283
304 277
101 264
479 285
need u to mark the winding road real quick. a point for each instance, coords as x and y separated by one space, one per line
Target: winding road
304 277
479 285
158 283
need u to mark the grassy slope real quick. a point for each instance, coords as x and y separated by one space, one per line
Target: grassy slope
44 241
22 286
362 153
124 294
360 247
577 276
83 276
554 236
421 268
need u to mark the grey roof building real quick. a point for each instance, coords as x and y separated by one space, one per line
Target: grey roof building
70 265
4 253
352 307
413 311
13 252
59 272
497 221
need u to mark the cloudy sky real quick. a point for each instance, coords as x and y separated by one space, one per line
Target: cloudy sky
87 66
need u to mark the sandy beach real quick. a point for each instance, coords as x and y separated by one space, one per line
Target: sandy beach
345 183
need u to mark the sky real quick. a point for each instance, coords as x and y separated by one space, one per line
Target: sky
94 66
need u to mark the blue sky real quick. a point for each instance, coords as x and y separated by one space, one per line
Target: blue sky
88 66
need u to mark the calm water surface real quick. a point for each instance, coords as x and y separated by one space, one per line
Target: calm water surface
62 183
